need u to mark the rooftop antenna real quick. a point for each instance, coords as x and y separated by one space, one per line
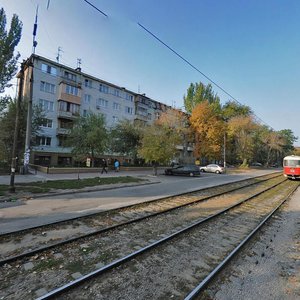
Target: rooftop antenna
58 53
78 62
34 42
78 65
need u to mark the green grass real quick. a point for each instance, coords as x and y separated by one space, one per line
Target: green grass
43 187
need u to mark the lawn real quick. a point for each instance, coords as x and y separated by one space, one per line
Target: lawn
46 186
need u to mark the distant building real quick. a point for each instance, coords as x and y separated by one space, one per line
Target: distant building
65 93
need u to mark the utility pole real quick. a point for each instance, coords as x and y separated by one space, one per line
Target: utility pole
224 151
14 149
29 120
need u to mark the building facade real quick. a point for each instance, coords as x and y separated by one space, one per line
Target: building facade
64 94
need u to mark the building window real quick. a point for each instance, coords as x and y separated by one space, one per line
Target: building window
46 105
129 97
47 87
48 69
62 141
101 103
87 99
128 110
66 124
69 107
117 106
103 88
71 90
43 141
117 92
70 76
46 123
88 83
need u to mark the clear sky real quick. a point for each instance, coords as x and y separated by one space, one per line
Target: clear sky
251 48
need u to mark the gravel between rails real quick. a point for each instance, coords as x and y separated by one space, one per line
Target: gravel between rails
269 267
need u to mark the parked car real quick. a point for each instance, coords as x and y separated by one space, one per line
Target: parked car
190 170
256 164
212 168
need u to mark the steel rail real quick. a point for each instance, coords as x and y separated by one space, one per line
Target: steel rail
195 292
22 231
136 220
58 291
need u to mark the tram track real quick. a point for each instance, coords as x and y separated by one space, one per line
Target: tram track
109 255
170 268
41 238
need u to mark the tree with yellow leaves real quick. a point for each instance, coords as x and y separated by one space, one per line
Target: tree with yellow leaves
209 129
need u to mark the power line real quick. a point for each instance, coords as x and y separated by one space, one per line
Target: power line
195 68
185 60
100 11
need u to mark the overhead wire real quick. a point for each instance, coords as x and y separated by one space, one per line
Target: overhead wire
182 58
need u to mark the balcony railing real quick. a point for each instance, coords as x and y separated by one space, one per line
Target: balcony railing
63 131
67 115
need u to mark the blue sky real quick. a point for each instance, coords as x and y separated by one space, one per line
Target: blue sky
250 48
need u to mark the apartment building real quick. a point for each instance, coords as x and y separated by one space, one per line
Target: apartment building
65 93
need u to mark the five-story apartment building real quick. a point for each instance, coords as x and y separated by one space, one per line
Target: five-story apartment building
64 94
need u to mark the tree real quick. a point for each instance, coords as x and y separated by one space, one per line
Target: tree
209 130
242 130
8 41
7 127
158 145
125 138
233 109
274 143
198 93
88 137
289 139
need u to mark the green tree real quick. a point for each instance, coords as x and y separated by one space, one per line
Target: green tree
289 140
8 41
88 137
7 127
158 145
125 138
233 109
242 130
198 93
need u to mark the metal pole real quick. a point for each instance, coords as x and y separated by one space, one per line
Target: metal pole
28 124
16 132
224 152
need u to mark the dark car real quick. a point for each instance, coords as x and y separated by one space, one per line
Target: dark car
190 170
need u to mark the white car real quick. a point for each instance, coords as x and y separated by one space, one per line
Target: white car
212 168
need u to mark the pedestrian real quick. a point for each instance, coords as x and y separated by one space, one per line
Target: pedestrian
104 166
117 166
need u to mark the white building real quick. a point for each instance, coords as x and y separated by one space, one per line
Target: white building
64 94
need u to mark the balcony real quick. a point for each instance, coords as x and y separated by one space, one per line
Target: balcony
63 131
66 115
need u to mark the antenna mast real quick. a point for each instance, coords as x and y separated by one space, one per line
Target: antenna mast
34 42
58 53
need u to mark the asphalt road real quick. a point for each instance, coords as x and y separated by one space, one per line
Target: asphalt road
38 211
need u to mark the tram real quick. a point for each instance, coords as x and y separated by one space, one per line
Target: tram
291 166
